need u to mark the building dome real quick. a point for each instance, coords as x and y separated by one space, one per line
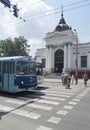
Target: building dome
62 26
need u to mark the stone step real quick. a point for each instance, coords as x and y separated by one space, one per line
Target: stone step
54 75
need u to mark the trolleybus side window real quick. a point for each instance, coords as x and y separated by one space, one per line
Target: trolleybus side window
11 65
0 67
4 67
8 67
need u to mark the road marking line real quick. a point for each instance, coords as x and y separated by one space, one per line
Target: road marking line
48 97
82 95
72 103
54 120
27 114
79 97
62 112
48 102
58 92
43 128
43 107
32 105
15 102
20 112
76 99
57 95
68 107
5 108
54 98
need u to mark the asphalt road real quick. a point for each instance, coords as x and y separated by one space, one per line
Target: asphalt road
50 107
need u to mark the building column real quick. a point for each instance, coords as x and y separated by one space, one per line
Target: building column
49 61
47 58
69 56
65 56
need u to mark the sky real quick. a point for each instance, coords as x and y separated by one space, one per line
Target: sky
41 17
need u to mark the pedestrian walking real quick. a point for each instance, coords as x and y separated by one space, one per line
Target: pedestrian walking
76 79
72 79
62 78
85 78
68 81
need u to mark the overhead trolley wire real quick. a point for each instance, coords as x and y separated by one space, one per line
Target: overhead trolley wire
32 17
75 3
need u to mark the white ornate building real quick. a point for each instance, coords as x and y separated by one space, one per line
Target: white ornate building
63 51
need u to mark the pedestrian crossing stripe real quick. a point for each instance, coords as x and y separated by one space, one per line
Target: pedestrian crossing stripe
48 102
75 99
54 98
72 103
54 120
62 112
40 101
63 93
57 95
20 112
32 105
44 128
46 97
79 97
43 107
68 107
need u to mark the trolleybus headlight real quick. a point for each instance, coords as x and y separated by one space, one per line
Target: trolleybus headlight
22 82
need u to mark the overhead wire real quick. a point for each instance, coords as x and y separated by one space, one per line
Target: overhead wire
55 9
33 4
31 17
50 9
39 1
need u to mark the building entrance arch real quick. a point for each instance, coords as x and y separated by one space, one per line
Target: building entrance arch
58 61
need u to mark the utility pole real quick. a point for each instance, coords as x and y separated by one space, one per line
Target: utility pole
76 61
76 54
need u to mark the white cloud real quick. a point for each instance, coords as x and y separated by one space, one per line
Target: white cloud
35 41
35 27
34 44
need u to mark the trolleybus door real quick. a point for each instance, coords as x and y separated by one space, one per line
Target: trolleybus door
6 75
11 77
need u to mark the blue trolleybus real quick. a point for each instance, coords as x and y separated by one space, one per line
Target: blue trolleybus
17 74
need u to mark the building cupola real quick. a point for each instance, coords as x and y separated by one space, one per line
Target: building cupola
62 26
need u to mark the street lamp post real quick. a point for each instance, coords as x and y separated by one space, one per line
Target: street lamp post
76 61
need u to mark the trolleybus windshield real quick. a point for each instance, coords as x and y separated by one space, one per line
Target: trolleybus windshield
25 68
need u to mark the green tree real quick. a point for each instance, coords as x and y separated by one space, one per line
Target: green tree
15 47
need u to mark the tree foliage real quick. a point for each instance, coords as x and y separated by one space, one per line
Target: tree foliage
16 47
